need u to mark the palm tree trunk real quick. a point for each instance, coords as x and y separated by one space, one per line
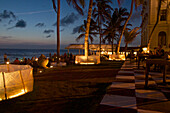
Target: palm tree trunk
125 49
112 45
87 28
150 36
124 27
99 33
58 31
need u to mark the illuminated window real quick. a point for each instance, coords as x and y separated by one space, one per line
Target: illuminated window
163 15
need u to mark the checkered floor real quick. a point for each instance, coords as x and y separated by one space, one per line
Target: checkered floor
128 95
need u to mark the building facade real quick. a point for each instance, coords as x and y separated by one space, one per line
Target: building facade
161 34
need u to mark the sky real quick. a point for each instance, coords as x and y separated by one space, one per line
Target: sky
30 24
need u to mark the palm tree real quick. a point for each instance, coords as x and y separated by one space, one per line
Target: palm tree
102 13
88 28
114 25
92 31
130 36
137 2
57 10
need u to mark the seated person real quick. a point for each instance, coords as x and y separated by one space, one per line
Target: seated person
29 61
5 58
161 52
54 57
42 61
16 61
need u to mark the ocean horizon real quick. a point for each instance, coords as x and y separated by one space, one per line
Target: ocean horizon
12 54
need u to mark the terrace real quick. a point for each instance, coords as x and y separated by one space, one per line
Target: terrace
112 86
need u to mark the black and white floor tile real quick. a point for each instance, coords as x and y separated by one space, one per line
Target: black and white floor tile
128 95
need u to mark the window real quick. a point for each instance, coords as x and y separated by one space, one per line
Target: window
162 38
163 15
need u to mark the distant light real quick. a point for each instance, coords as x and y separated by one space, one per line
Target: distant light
36 59
135 53
76 62
168 56
40 71
51 66
145 49
7 62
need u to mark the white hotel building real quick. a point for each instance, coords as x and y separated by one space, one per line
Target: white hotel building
161 34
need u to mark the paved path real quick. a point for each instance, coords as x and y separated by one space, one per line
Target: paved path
127 93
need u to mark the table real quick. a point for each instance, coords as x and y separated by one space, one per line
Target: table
162 62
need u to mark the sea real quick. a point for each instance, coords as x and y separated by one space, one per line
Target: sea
12 54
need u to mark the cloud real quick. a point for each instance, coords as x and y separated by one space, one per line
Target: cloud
20 24
5 37
48 31
76 29
68 19
7 15
48 36
40 25
34 12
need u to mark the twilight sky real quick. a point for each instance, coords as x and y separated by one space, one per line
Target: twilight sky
30 24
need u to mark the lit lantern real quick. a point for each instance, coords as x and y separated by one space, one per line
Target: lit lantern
51 66
16 79
7 62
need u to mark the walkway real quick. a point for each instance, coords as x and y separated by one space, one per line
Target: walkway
127 93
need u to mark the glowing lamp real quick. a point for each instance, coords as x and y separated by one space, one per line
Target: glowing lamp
51 66
7 62
40 71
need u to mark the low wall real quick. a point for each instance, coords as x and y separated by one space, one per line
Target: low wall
93 59
117 57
